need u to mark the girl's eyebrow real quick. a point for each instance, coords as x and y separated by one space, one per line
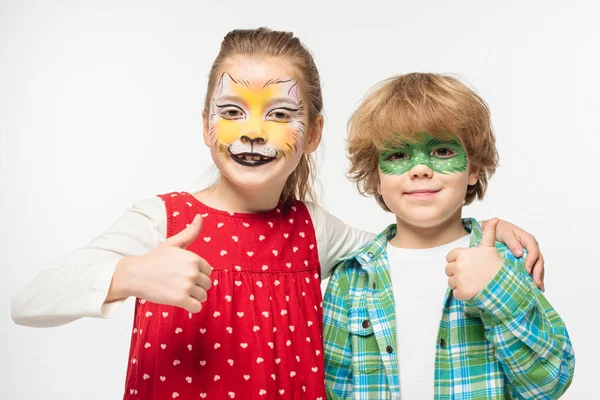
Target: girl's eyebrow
229 98
283 101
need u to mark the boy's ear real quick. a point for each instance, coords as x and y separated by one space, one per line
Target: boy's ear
316 133
473 175
205 128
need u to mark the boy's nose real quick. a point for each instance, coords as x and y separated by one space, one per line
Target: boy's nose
421 171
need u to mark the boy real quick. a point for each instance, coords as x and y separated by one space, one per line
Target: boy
423 145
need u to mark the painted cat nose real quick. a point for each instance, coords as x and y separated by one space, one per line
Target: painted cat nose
257 140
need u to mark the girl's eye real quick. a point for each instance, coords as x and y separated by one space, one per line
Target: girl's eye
232 113
397 156
443 153
279 116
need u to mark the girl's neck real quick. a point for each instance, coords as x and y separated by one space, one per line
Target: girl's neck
415 237
227 197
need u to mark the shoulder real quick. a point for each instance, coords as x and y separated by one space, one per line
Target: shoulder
150 206
314 209
514 262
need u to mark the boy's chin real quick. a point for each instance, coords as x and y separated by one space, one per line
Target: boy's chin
423 220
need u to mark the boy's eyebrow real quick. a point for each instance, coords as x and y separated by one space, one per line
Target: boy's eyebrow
435 141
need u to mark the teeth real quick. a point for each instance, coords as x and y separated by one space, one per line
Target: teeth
252 158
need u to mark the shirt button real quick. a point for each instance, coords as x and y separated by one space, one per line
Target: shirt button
374 285
389 349
443 343
366 323
370 254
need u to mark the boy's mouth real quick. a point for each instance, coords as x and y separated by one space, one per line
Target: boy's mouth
251 159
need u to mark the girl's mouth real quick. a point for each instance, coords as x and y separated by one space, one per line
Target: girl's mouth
251 159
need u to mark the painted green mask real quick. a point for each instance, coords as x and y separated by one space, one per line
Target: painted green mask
442 156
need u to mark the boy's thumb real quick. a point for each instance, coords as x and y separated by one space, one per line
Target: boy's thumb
488 238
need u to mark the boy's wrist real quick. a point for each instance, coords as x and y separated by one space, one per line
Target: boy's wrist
506 295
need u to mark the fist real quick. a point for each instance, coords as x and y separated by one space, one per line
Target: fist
172 275
470 270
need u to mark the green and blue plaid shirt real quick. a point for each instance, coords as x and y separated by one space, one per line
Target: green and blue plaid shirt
507 342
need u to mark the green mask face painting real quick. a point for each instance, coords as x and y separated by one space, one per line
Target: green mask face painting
442 156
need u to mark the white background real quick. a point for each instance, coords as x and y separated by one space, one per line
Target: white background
100 104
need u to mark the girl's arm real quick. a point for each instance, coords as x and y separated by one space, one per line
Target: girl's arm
529 337
336 239
79 284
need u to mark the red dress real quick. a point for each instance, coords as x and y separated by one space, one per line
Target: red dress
259 334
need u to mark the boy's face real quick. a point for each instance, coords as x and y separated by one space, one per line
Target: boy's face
424 182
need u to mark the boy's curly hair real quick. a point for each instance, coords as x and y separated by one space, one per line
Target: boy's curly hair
402 107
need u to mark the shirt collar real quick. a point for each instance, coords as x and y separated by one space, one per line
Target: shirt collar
374 249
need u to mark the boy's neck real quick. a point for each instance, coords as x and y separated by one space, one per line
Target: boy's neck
409 236
227 197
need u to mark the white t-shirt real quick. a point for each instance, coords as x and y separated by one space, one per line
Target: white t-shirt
419 285
77 285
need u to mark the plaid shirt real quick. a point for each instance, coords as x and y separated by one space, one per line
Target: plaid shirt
507 342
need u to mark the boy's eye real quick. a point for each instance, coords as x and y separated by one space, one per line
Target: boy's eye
443 153
279 115
397 156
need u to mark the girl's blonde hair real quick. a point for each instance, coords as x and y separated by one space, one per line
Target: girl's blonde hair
264 42
401 107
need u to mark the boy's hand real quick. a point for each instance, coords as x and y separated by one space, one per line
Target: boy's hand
516 238
169 274
470 270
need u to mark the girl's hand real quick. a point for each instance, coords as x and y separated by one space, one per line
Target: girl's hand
516 238
169 274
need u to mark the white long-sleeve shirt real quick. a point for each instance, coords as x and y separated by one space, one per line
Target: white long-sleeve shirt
77 285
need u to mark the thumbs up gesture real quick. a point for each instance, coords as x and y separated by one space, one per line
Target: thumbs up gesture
169 274
470 270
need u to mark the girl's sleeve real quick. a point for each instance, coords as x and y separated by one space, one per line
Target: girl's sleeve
76 285
335 238
529 337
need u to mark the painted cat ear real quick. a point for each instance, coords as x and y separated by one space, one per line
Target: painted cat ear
293 92
224 85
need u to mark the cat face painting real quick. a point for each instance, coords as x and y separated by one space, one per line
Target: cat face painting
256 121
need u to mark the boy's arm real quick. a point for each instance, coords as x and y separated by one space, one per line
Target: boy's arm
530 339
337 345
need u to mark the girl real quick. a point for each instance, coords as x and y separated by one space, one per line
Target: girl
251 239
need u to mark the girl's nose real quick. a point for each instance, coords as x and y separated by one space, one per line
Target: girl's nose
253 132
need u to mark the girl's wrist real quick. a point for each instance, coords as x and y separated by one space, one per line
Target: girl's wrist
122 285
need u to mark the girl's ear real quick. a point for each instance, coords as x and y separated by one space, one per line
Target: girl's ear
316 133
205 128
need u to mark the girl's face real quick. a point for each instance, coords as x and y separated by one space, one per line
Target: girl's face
257 123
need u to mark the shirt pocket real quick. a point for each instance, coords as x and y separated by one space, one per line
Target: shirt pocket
365 350
477 346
